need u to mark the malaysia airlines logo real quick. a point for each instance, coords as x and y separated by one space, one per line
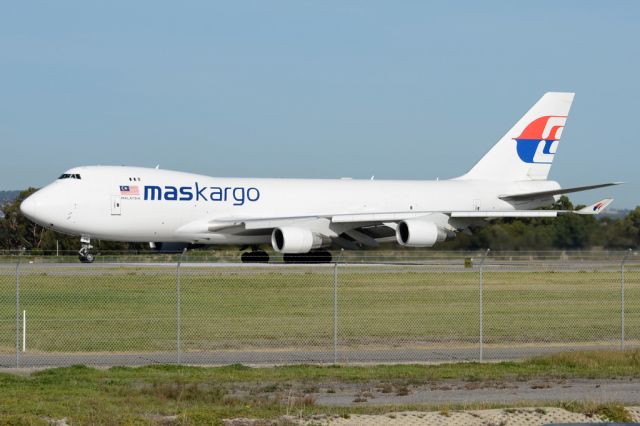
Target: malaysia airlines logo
129 190
539 140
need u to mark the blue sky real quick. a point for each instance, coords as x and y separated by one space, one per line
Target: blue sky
399 90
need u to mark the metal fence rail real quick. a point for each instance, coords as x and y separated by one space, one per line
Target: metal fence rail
493 307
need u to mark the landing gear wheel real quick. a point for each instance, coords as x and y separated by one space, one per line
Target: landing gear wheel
84 253
257 256
320 256
87 258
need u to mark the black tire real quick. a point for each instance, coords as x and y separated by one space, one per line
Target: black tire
89 258
321 256
311 257
291 258
261 256
257 256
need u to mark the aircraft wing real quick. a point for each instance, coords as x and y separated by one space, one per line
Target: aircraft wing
383 218
352 231
540 194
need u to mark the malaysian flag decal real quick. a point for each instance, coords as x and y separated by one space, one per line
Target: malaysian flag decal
129 190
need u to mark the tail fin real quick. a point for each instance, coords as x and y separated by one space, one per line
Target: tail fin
527 150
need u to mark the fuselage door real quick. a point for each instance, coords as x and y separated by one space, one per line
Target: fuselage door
116 209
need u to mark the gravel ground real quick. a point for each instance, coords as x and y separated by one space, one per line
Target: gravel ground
520 417
532 416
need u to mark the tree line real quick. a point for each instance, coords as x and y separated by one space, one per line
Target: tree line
565 232
571 231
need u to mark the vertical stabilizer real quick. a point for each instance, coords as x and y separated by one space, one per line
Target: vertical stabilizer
527 150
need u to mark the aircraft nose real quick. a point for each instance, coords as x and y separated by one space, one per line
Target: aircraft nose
34 207
29 206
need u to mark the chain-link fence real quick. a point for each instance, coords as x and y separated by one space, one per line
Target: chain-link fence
452 307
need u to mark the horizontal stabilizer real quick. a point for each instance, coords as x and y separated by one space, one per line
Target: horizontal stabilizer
541 194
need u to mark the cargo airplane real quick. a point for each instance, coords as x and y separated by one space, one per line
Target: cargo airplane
302 218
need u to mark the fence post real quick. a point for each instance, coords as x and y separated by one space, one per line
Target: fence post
178 353
482 304
335 307
18 309
624 259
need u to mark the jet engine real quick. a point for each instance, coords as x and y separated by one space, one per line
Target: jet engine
291 239
419 233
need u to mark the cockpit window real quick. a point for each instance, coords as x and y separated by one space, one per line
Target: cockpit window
69 176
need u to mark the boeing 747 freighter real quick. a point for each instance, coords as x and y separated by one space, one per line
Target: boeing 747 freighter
302 218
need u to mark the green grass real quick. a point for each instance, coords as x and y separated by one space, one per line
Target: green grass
133 309
122 395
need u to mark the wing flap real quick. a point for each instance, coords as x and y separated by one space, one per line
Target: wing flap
377 217
498 214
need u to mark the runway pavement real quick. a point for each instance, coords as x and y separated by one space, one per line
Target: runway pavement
279 357
240 268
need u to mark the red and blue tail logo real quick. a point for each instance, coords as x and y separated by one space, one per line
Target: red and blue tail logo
599 206
539 140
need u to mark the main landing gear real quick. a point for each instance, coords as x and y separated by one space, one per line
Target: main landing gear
320 256
84 253
255 256
260 256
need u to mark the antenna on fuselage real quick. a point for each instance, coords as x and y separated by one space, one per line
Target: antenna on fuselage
157 166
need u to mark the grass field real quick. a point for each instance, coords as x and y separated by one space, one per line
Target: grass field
191 395
80 309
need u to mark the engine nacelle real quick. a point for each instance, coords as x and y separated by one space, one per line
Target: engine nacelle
291 239
419 233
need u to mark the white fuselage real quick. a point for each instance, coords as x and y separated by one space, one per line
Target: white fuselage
174 206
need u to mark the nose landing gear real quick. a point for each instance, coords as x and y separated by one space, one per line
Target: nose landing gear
84 254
